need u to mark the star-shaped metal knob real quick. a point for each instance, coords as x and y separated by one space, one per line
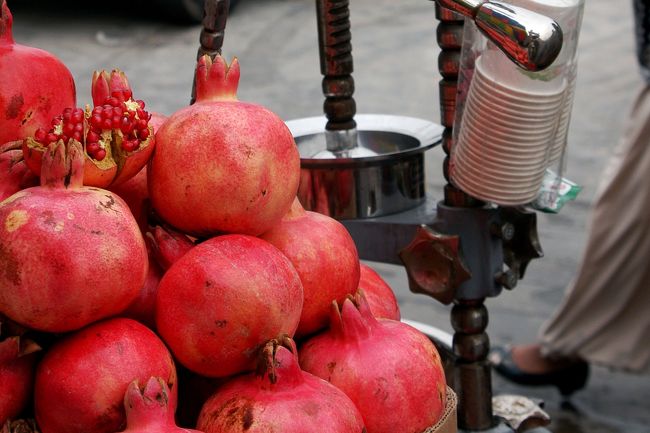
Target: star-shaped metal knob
434 264
523 246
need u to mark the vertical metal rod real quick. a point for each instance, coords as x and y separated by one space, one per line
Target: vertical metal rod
335 47
469 318
215 15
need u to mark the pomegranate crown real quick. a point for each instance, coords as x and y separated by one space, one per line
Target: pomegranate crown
13 343
278 361
104 85
215 80
6 23
353 318
150 404
63 167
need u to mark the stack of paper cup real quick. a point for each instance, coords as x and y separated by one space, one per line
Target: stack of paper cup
560 140
568 14
505 137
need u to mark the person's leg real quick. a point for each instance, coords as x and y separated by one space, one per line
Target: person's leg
603 317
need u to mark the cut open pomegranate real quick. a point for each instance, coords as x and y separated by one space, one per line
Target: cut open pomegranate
115 133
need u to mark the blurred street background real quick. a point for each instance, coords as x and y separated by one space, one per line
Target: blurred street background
395 59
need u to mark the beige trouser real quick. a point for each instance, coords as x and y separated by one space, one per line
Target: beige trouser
605 315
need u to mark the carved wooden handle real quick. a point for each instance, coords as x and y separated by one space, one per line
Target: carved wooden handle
335 47
214 25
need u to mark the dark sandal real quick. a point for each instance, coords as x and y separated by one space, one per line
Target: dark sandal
567 379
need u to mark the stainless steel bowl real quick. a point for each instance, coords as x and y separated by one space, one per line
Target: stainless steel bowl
384 175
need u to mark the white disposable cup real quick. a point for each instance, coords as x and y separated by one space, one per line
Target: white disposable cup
499 84
526 106
487 119
503 74
497 160
502 195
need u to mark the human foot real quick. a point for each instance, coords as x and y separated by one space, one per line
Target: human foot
525 365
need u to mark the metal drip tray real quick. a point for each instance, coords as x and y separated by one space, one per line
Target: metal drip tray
383 175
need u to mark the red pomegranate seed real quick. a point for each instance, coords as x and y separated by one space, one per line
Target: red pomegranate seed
77 116
140 102
100 154
129 145
143 134
107 123
51 138
79 127
96 121
68 128
126 126
40 135
77 136
92 137
92 147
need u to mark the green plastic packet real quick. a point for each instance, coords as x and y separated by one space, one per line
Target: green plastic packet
554 192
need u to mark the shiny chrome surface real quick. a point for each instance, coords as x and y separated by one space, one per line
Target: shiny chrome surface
383 175
340 142
464 7
531 40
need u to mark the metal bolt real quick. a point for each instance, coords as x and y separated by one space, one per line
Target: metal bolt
508 279
505 231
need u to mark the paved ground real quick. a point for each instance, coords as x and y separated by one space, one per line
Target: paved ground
395 72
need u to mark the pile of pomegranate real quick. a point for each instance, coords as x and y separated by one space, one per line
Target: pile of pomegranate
158 274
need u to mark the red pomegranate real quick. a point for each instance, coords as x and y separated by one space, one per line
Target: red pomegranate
326 258
391 371
16 375
36 85
378 293
223 299
280 397
81 381
14 173
69 255
222 165
116 135
150 410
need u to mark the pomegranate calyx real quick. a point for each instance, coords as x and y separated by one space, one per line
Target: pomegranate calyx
167 245
63 166
354 322
19 426
148 406
14 347
6 24
279 363
105 85
216 80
